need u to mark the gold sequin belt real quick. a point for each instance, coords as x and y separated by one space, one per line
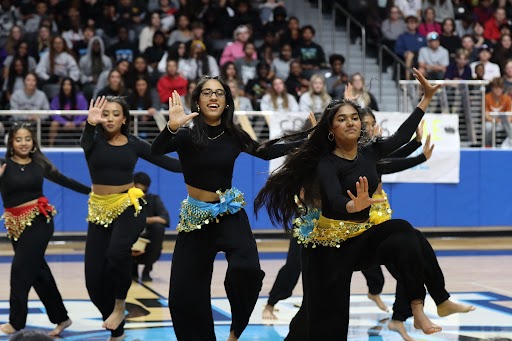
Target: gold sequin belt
104 209
18 218
330 232
380 212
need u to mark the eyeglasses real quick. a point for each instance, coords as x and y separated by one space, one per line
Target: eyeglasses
208 93
22 125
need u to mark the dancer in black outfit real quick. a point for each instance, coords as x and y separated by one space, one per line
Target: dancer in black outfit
207 153
116 216
28 219
344 238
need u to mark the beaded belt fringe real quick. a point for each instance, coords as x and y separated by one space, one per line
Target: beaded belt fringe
104 209
18 218
380 212
196 213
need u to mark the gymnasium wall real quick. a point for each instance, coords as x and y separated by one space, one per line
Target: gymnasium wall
482 198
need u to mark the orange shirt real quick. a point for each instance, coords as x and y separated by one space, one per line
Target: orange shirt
504 104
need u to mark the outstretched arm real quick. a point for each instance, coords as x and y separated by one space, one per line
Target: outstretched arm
395 165
53 174
166 162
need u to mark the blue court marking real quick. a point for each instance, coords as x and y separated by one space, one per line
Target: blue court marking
64 258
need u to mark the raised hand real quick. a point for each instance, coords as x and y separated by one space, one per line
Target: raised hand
363 198
377 131
419 131
177 116
96 109
348 94
2 168
427 148
312 119
428 88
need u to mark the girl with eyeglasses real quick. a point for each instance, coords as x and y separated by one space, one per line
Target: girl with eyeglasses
28 217
212 218
116 214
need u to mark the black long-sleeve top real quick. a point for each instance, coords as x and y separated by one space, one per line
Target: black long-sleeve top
155 208
113 165
336 175
20 184
211 168
398 160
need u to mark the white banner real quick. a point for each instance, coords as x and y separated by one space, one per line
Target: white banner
284 123
443 166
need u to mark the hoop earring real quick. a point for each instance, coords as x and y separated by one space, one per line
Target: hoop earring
227 106
33 150
330 136
198 109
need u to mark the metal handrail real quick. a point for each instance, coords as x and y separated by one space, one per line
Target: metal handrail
399 62
350 18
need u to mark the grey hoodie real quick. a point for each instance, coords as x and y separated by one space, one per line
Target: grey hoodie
86 61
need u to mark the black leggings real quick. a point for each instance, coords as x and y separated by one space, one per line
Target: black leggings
327 274
288 275
29 269
374 279
191 276
108 261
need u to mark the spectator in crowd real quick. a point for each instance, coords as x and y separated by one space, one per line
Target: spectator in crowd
28 98
186 100
502 52
478 35
507 77
279 24
449 38
123 49
409 43
122 66
468 45
363 97
176 52
246 15
21 52
92 64
281 64
15 77
147 33
491 70
296 83
141 98
443 9
73 34
33 21
278 99
67 99
268 50
433 59
246 65
157 219
14 39
9 17
131 14
479 72
257 87
429 24
267 10
459 68
464 25
316 99
41 43
392 27
182 33
483 11
229 72
55 65
310 54
338 79
409 7
496 102
242 103
492 26
80 47
154 53
292 34
167 9
115 85
235 49
169 82
199 63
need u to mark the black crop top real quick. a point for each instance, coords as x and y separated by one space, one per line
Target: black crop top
337 175
211 168
114 165
21 186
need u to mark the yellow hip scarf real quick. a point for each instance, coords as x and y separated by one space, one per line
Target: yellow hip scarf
331 232
104 209
380 212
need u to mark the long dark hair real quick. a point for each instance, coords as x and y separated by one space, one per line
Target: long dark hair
147 102
125 129
297 174
35 154
63 99
11 78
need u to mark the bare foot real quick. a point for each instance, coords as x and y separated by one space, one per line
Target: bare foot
232 336
117 338
268 313
398 326
378 301
60 327
7 328
421 321
449 307
117 316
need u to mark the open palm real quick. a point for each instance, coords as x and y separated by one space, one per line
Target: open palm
96 110
177 116
362 199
